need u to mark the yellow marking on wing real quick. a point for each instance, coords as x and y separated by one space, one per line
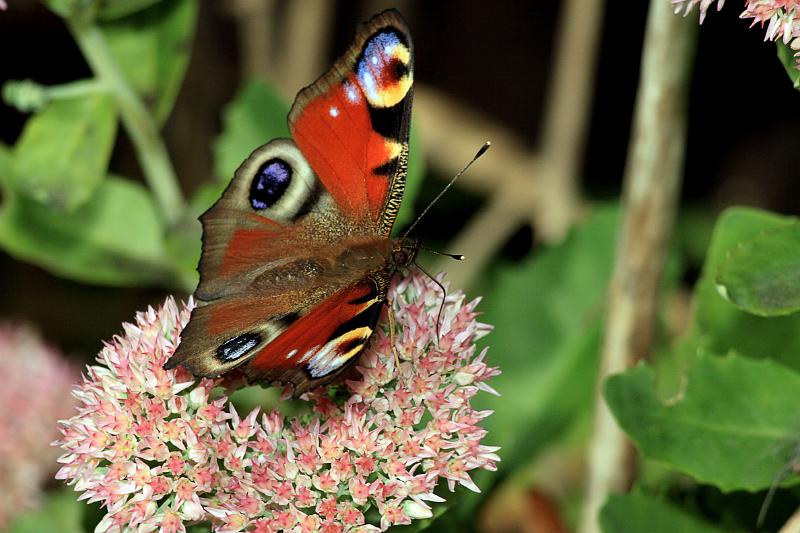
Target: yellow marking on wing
361 333
393 148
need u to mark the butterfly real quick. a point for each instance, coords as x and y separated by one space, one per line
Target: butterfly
297 255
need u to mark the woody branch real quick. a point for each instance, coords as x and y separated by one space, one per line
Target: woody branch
651 185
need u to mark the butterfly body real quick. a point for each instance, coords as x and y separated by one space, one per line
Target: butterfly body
297 254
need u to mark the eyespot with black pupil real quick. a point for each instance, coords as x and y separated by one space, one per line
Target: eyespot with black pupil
270 183
276 182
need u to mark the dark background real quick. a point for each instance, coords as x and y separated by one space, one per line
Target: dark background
495 56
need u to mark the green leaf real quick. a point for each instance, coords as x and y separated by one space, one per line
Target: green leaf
637 512
204 197
734 425
62 154
693 229
762 276
547 314
5 166
66 8
114 9
183 244
787 57
152 48
722 327
115 239
184 241
61 512
255 116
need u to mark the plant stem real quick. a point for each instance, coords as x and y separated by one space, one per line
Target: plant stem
139 123
74 89
652 181
27 95
567 115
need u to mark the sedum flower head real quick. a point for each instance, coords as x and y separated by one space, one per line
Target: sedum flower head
34 395
159 450
687 6
781 17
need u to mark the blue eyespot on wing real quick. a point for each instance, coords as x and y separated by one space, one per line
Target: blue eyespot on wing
270 183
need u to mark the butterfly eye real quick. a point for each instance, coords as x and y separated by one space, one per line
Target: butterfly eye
269 184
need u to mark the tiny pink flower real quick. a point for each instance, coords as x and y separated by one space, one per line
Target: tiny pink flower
161 450
392 515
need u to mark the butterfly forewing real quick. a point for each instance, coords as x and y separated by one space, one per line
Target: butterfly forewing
353 123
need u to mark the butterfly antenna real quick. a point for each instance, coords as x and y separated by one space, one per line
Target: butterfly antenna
457 257
444 298
480 152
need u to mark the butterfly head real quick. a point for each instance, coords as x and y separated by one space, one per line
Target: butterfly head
404 251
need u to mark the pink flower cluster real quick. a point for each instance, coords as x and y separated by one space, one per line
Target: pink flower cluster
34 395
782 17
160 450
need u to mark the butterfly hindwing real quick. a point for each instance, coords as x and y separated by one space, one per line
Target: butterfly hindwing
319 344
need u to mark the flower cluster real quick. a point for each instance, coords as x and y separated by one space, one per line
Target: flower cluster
34 395
160 450
782 17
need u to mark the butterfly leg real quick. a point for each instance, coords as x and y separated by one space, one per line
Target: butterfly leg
392 338
441 306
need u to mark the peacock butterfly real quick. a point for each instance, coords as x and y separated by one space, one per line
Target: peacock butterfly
297 253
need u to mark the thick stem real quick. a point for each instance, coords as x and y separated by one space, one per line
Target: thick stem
255 20
567 116
652 182
139 123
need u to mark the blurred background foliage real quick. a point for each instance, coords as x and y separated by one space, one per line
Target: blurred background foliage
125 119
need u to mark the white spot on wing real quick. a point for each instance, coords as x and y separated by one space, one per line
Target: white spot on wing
368 84
309 353
291 354
333 111
350 92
